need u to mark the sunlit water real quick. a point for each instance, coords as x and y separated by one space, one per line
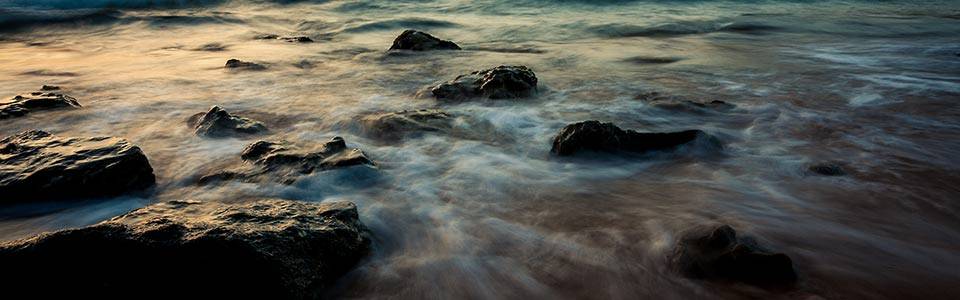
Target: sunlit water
493 214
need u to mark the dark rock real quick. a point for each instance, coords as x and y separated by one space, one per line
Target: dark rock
219 123
287 162
721 255
297 39
827 169
266 36
261 249
421 41
672 103
42 100
606 137
35 165
234 63
502 82
396 125
212 47
648 60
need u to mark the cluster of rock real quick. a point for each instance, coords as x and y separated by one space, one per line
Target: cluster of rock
286 162
46 98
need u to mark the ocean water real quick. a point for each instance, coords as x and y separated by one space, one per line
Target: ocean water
873 85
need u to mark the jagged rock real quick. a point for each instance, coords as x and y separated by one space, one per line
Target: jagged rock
219 123
42 100
606 137
421 41
237 64
503 82
35 166
261 249
827 169
396 125
287 162
721 255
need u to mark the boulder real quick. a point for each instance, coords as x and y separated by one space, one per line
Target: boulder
721 255
45 99
237 64
219 123
503 82
36 165
421 41
260 249
396 125
287 162
607 137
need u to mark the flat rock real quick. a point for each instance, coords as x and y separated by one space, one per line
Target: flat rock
36 165
396 125
286 162
503 82
45 99
217 122
721 255
237 64
607 137
261 249
421 41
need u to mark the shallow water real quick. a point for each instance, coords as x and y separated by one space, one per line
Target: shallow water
492 214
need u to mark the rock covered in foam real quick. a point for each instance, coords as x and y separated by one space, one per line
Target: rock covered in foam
45 99
421 41
36 165
217 122
503 82
260 249
607 137
721 255
286 162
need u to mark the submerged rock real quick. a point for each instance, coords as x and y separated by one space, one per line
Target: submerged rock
44 99
287 162
292 39
503 82
672 103
827 169
262 249
396 125
211 47
237 64
606 137
421 41
219 123
35 166
721 255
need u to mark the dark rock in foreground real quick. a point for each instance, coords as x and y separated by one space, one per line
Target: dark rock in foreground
503 82
606 137
287 162
44 99
219 123
721 255
237 64
35 165
421 41
396 125
262 249
827 169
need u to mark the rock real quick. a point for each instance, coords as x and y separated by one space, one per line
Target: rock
421 41
36 166
261 249
211 47
671 103
237 64
503 82
267 36
827 169
292 39
606 137
396 125
721 255
287 162
42 100
219 123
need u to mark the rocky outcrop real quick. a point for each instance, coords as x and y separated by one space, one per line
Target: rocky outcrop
35 166
237 64
503 82
421 41
396 125
721 255
606 137
219 123
271 161
261 249
45 99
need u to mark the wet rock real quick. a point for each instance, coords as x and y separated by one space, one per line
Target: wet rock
35 166
45 99
212 47
266 36
606 137
421 41
721 255
396 125
827 169
286 162
651 60
292 39
672 103
261 249
503 82
219 123
237 64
